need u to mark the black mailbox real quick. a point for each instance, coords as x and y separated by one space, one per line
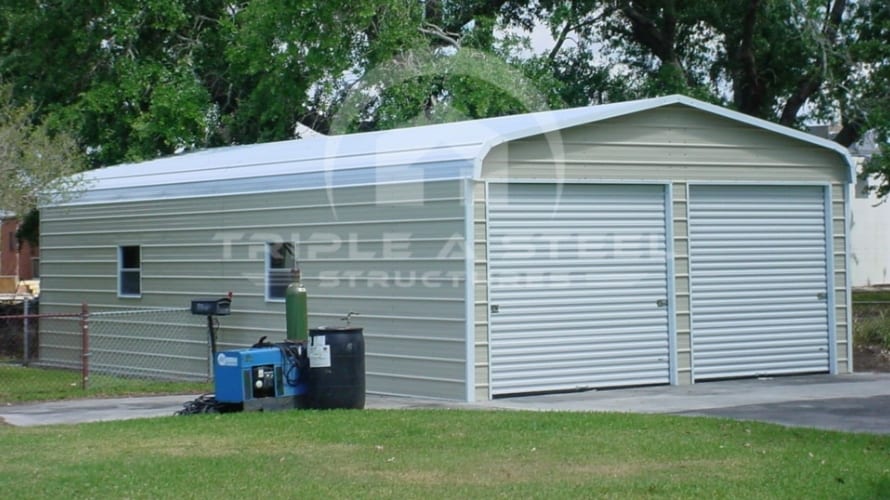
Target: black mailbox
212 307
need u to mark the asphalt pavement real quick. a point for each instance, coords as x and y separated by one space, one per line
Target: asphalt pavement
855 403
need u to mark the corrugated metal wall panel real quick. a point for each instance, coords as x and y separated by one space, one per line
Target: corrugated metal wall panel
759 280
671 143
393 253
682 145
576 273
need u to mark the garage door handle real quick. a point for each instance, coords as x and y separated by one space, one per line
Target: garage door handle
661 302
822 296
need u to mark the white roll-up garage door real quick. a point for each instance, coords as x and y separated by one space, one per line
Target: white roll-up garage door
577 286
758 280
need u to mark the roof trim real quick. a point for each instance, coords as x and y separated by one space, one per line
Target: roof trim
453 150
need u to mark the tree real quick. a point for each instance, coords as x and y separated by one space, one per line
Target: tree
868 107
447 66
118 74
137 79
286 61
141 79
790 62
37 164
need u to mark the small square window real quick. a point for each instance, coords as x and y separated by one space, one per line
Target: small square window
280 262
129 279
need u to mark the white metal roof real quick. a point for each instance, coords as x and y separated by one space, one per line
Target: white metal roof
433 152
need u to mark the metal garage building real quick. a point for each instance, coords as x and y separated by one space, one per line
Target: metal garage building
660 241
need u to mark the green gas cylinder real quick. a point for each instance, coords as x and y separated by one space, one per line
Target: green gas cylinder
296 310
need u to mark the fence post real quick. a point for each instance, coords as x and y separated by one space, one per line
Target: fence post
27 328
85 336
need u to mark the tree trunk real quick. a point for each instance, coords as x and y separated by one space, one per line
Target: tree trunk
811 83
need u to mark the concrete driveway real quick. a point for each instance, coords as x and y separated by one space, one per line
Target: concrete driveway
857 403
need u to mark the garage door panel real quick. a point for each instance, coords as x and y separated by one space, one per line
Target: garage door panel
757 255
580 312
758 267
775 363
748 245
719 285
788 367
784 327
619 326
589 349
580 375
576 273
607 372
797 308
567 298
757 302
718 295
559 268
522 382
755 345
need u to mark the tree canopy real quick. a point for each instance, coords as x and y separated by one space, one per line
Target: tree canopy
37 164
138 79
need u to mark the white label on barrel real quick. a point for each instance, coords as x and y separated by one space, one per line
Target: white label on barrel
319 353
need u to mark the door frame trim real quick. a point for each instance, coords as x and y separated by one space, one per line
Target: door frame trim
829 261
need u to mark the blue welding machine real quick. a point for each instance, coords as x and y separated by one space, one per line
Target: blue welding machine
263 376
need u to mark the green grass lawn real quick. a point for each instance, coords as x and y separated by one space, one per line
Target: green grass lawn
19 385
871 296
439 454
871 318
419 453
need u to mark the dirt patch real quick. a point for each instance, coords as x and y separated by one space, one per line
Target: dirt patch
871 358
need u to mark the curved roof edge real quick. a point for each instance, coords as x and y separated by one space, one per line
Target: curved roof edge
453 150
608 111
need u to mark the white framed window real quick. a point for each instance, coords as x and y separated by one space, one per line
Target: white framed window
129 271
279 264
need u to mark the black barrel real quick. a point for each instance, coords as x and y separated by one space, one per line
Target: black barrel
336 367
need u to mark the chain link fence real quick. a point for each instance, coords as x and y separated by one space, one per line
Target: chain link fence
18 332
53 356
153 344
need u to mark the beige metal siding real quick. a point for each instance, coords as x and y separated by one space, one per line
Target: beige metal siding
673 142
394 254
681 144
682 305
840 193
480 333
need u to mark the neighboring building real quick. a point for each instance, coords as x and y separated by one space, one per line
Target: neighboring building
660 241
869 226
19 261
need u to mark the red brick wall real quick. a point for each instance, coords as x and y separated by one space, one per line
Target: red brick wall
9 252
